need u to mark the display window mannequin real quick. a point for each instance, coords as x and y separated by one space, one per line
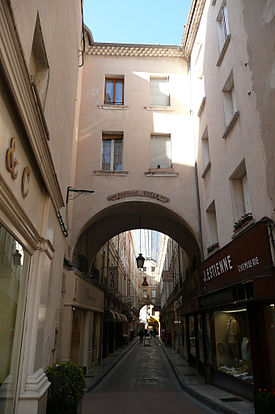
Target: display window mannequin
232 337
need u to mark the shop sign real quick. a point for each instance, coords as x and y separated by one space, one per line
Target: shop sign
167 276
244 257
88 296
112 279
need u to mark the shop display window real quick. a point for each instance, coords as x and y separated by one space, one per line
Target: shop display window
192 342
233 344
200 330
270 318
208 339
14 270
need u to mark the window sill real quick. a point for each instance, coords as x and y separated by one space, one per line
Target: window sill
158 172
202 105
158 108
115 173
119 107
231 124
224 49
206 168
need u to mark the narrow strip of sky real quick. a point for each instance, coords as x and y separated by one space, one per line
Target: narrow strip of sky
143 21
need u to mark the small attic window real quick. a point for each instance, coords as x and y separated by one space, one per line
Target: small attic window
39 66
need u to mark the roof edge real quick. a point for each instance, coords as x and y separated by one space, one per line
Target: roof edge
192 25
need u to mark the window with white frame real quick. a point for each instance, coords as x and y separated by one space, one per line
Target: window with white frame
206 163
211 222
112 151
161 151
159 91
223 27
229 99
240 192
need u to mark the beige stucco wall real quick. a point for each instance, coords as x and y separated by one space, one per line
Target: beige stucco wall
260 49
244 141
61 30
32 220
137 124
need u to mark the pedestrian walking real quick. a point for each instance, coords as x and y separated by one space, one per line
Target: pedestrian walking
141 335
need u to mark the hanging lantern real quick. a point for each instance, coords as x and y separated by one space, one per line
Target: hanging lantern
144 283
140 261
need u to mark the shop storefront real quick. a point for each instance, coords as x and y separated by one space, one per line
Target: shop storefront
14 277
30 236
83 312
236 311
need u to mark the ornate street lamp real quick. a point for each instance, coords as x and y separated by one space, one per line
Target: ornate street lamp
140 261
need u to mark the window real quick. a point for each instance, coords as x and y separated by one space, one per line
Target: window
212 230
154 293
112 151
233 348
159 91
160 151
240 194
14 273
229 99
223 27
206 163
144 294
39 66
114 91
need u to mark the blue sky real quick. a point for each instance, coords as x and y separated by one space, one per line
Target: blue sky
141 21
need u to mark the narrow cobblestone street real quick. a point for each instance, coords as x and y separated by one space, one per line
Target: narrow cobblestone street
142 383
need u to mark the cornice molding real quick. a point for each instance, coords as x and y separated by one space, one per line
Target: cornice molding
191 29
16 72
134 50
15 213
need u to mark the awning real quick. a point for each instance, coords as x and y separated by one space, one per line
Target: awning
118 316
109 315
124 317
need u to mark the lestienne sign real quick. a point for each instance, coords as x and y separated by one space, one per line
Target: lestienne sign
241 259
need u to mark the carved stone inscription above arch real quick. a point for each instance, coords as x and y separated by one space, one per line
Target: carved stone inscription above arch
138 193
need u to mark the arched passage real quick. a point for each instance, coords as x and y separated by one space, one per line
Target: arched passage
133 215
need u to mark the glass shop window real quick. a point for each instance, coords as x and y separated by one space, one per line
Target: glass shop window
270 318
200 334
192 342
14 271
233 344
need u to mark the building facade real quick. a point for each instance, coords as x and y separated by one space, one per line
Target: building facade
227 305
34 49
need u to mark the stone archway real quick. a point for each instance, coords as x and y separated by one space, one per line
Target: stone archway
130 215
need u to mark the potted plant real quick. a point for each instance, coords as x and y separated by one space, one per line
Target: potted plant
242 221
66 389
264 401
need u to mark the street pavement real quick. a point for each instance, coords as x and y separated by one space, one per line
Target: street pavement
141 382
